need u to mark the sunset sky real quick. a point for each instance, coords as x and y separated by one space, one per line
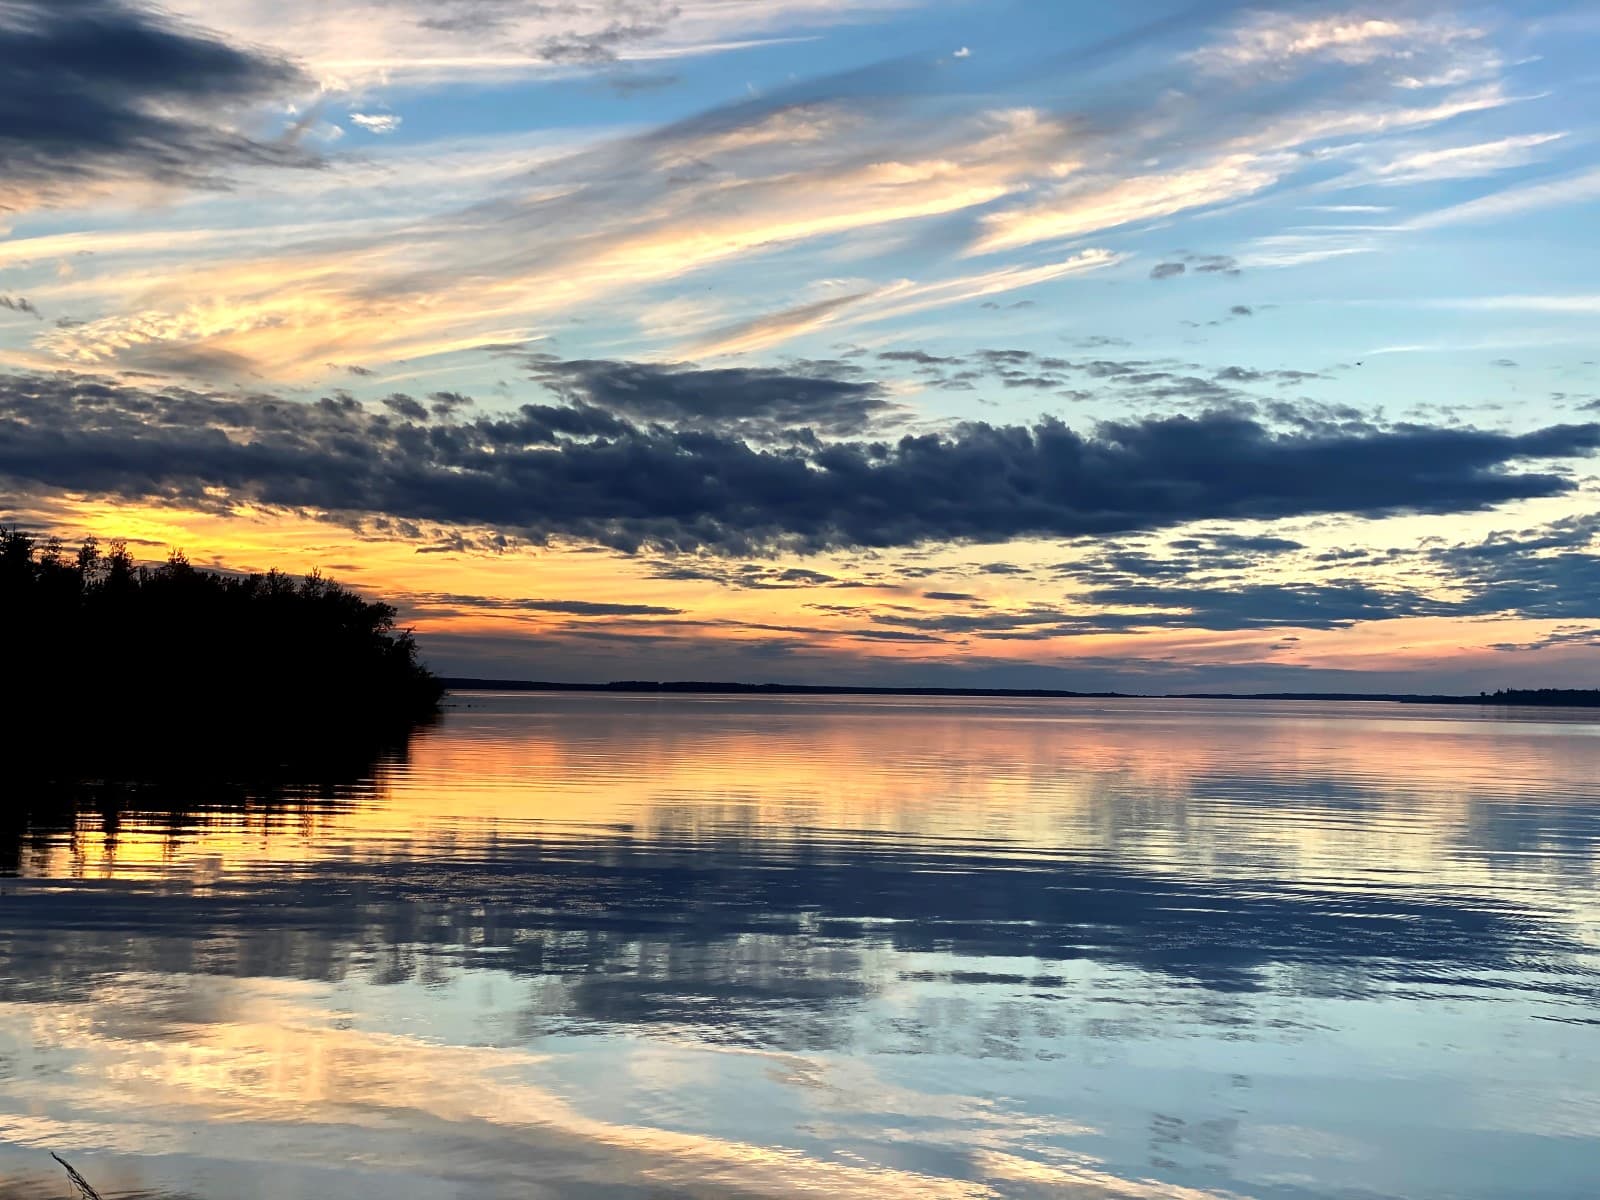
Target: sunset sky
1150 346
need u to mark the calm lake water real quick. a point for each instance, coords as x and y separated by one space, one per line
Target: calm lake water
600 946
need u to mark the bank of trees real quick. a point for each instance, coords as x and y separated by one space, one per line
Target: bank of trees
1545 697
117 664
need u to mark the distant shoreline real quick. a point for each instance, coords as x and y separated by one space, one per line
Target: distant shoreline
1541 698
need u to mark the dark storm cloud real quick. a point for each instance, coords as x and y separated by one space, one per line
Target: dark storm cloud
921 357
1059 623
559 470
754 401
1331 605
100 89
405 406
1201 558
1566 635
452 541
446 404
1334 604
747 576
1552 572
891 635
1158 381
1250 375
800 576
1260 543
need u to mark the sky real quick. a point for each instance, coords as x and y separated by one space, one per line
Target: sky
1002 343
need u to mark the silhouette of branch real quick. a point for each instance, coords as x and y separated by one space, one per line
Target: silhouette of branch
78 1181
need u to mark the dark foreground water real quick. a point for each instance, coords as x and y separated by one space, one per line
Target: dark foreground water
593 946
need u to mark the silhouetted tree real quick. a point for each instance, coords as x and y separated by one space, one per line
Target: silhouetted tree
119 667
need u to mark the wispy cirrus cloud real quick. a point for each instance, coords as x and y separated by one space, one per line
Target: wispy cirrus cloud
1579 304
628 213
756 403
1575 188
1277 40
1226 141
1462 161
805 170
366 44
779 326
1096 205
889 301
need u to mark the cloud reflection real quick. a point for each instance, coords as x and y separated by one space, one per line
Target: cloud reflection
515 962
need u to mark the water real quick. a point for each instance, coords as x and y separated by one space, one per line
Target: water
598 946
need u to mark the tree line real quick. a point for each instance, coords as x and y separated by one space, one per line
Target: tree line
110 663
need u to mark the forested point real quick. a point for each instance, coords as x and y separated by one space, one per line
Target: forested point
1545 697
117 670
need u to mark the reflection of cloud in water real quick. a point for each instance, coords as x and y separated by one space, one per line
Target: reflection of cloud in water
710 931
708 947
399 1105
1175 786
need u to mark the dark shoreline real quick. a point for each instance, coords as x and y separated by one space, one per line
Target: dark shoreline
1544 698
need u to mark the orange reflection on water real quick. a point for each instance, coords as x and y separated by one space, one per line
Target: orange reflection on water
812 943
1181 784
